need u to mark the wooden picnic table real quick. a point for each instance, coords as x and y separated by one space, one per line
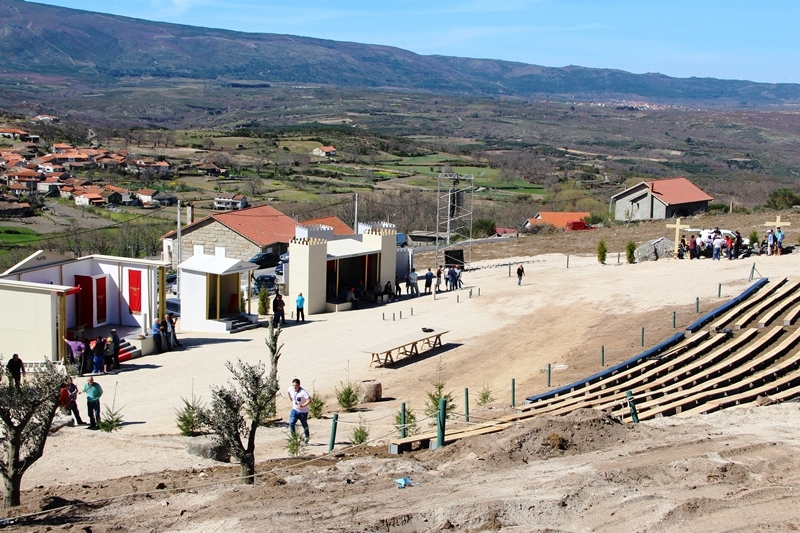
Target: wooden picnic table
408 345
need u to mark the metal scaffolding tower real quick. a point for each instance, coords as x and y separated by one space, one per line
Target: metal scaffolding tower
454 201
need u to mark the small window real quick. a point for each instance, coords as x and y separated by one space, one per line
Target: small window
219 251
198 249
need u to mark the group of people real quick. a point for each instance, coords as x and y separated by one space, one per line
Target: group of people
450 276
714 244
68 400
164 333
97 356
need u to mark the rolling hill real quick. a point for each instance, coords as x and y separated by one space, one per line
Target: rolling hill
92 47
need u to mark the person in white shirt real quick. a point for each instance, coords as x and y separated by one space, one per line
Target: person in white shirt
413 277
300 402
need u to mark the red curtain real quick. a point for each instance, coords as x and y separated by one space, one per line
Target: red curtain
135 290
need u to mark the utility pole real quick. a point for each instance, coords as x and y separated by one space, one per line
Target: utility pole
180 252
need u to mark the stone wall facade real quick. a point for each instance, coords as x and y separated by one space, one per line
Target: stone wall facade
215 234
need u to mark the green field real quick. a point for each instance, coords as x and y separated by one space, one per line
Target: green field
15 235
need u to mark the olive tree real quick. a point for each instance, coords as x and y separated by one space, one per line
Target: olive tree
26 414
237 410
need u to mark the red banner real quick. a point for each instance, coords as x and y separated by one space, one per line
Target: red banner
135 290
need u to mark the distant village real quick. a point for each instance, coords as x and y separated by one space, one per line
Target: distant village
25 171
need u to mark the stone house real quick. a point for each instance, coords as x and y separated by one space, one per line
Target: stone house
660 199
235 234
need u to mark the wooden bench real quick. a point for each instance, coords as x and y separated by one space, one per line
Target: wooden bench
408 345
747 304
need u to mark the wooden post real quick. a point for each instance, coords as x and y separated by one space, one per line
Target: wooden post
678 227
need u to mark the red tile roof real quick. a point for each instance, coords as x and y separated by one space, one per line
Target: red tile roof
678 191
558 219
338 225
263 225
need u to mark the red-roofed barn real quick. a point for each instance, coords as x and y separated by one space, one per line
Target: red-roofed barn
660 199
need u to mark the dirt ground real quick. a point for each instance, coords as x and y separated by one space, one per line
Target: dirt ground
735 470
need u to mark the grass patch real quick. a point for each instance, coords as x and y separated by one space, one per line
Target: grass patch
10 235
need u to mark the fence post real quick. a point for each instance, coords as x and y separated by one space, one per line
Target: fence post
567 261
509 270
441 418
674 316
393 315
513 392
334 422
402 420
549 367
618 257
632 406
383 316
458 298
603 356
697 305
466 404
719 291
412 311
401 315
642 336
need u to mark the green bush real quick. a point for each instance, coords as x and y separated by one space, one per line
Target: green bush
718 208
411 422
360 433
602 252
630 252
485 395
316 406
347 396
295 444
432 401
187 420
263 302
753 238
111 420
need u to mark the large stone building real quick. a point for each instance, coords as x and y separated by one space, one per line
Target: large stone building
237 234
660 199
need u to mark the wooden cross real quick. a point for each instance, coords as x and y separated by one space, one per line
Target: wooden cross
678 227
777 222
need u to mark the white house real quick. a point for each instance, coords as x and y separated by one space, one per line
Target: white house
324 151
230 202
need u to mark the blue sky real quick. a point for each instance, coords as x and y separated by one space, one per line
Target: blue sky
732 39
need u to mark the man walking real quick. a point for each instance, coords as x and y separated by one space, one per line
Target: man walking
300 303
16 368
93 392
520 273
300 402
72 405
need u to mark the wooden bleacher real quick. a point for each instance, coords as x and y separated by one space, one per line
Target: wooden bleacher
407 345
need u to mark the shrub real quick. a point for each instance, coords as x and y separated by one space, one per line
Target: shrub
360 433
753 238
718 208
316 406
187 420
263 302
347 396
630 252
433 397
296 444
411 423
485 395
112 418
602 252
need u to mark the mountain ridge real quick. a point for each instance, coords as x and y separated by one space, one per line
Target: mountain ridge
103 48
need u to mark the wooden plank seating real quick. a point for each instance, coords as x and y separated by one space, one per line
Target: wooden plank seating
408 345
768 317
428 440
761 380
747 304
600 391
766 304
677 372
654 395
791 316
678 399
785 387
612 379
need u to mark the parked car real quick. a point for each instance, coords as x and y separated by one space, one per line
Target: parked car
401 240
266 259
265 281
279 269
174 306
285 257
